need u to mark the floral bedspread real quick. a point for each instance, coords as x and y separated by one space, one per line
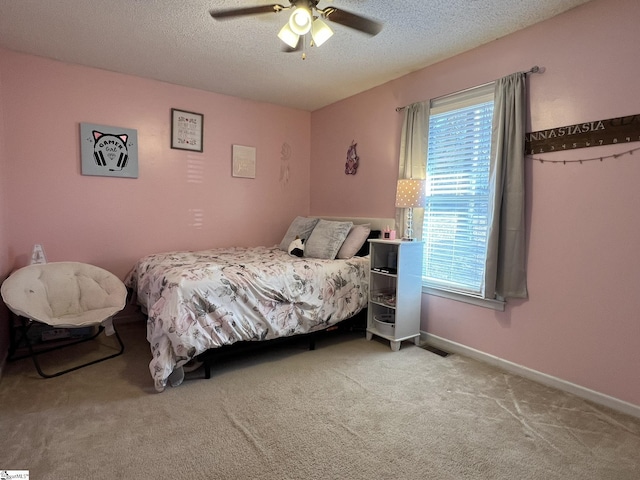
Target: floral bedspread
200 300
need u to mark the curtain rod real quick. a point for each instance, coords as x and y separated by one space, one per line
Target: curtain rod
534 69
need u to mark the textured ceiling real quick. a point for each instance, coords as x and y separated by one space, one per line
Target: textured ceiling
177 41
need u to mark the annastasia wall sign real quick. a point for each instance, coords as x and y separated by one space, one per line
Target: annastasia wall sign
582 135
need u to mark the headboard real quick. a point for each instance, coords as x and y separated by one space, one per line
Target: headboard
376 222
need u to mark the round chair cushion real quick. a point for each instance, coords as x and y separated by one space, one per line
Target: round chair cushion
64 294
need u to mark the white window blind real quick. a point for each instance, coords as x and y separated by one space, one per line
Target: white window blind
457 190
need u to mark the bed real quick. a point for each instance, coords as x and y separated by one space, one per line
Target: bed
199 301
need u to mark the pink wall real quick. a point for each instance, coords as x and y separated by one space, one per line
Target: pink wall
111 222
580 323
370 120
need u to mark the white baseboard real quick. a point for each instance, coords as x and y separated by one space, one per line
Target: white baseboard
543 378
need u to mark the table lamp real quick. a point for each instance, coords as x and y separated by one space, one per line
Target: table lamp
409 194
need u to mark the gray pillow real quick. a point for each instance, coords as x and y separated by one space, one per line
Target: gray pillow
300 227
354 241
326 239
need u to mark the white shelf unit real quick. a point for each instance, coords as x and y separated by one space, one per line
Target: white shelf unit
396 293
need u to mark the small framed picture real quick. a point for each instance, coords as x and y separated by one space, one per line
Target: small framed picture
186 130
243 162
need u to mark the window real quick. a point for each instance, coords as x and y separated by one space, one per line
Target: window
457 191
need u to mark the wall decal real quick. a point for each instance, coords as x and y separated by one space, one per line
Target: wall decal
582 135
186 130
285 155
108 151
351 167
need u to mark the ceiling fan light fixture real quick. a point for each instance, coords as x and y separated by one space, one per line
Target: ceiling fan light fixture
288 36
300 20
320 32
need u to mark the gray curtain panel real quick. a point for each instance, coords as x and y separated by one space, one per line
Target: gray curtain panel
505 272
413 159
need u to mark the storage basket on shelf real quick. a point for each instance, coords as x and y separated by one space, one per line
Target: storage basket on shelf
385 323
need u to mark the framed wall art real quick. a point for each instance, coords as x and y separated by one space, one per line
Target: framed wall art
243 162
186 130
108 151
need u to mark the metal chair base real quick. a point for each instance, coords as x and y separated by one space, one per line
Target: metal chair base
26 323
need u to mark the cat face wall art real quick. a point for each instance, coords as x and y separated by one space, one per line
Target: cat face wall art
109 151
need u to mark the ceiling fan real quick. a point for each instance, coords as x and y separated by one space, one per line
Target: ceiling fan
306 17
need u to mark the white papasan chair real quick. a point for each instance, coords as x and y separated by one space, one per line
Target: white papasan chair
65 295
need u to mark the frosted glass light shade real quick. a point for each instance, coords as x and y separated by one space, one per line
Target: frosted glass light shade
37 255
300 21
320 32
288 36
410 193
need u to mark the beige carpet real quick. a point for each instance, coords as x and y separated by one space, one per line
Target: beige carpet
351 409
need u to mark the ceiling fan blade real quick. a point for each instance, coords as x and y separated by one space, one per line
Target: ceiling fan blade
351 20
239 12
288 49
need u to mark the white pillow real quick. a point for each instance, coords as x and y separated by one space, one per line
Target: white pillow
354 241
301 227
326 239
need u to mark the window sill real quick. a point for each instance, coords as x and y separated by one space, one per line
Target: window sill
460 297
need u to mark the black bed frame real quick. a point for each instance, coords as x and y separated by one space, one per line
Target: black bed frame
357 323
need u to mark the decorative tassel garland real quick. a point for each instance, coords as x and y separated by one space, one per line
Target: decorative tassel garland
582 160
